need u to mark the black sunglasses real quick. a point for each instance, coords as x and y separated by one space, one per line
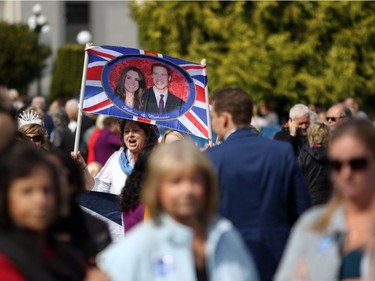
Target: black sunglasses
355 164
37 138
334 118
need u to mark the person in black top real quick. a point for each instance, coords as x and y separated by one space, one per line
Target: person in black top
295 131
313 162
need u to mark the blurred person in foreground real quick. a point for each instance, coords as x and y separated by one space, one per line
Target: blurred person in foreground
87 234
29 205
262 189
8 128
313 163
183 240
329 241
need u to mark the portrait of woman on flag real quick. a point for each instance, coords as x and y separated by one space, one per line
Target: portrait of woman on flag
130 87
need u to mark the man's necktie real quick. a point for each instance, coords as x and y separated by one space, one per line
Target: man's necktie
161 104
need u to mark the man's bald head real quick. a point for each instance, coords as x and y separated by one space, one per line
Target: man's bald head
338 114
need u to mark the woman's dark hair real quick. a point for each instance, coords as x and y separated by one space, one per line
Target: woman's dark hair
18 163
151 132
74 223
74 174
130 194
120 89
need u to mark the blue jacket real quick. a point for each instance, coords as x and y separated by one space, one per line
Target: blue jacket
262 192
164 252
320 258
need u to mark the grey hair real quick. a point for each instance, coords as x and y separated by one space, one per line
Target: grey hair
60 117
298 109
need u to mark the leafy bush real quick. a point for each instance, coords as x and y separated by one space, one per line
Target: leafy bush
284 52
22 58
67 72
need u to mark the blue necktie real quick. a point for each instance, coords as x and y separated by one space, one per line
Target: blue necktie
161 104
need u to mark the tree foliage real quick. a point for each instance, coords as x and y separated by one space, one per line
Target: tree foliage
22 58
284 52
67 72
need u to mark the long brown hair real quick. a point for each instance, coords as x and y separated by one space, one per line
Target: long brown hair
120 89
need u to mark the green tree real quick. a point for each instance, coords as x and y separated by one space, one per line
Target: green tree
67 72
284 52
22 58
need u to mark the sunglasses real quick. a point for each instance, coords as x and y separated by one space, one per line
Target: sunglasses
334 119
355 164
37 138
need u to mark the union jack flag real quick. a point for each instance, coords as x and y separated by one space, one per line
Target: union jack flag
97 100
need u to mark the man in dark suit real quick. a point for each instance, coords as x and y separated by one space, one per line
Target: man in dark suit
262 190
158 99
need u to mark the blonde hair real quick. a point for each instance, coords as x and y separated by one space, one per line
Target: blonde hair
179 135
318 133
171 158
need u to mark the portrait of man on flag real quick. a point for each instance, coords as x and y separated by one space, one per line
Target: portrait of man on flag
158 98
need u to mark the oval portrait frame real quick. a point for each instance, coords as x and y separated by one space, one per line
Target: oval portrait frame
181 82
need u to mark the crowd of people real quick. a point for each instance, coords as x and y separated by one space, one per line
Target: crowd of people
297 206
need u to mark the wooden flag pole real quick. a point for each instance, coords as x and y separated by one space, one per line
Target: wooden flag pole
203 62
81 97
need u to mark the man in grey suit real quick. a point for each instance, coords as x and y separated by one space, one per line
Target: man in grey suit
158 98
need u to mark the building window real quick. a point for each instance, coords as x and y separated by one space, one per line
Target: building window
77 19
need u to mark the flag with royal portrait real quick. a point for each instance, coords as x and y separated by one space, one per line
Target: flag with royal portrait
109 70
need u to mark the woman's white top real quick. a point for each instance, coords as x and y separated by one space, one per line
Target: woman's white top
111 178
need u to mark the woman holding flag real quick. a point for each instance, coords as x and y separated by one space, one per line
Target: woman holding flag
134 137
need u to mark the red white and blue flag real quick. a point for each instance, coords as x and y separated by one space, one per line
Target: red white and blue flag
102 63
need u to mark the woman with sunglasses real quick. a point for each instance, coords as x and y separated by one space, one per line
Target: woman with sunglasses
31 125
328 242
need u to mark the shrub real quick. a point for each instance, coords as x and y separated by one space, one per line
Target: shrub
67 72
22 58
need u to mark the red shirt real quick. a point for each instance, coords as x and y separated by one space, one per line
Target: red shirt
8 271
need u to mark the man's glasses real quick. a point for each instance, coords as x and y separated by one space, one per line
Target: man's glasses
334 119
355 164
37 138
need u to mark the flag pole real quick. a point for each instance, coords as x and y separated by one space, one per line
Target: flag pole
81 96
203 62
